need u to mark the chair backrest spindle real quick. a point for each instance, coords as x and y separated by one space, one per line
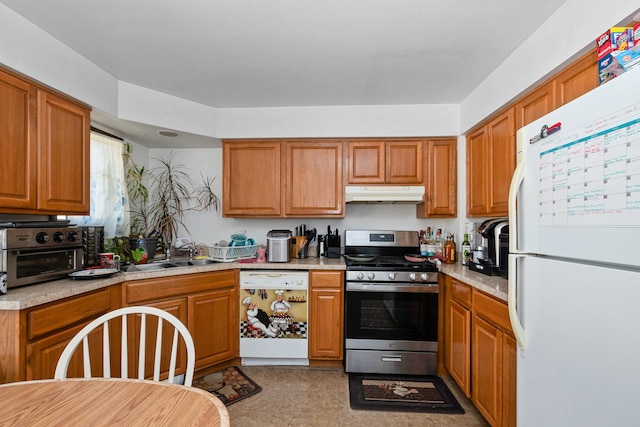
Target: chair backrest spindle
180 330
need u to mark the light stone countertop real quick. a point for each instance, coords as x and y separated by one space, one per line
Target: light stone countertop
33 295
492 285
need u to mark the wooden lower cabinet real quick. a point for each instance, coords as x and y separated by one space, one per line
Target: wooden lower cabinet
213 323
326 315
50 327
480 351
458 340
206 302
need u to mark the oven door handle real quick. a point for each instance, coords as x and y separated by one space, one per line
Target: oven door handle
430 288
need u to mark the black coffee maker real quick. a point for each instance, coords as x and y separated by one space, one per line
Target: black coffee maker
490 231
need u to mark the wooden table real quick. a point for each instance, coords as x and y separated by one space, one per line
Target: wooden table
108 402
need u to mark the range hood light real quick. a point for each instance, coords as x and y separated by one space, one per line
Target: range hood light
384 194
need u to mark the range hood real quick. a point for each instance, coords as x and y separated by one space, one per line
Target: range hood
384 193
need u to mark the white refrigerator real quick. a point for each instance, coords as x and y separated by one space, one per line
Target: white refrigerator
574 263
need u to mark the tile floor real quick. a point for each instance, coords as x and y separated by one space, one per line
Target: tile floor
309 396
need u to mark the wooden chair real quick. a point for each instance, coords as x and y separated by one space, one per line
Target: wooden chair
144 312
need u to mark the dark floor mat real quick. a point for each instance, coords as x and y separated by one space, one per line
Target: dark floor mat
229 385
404 393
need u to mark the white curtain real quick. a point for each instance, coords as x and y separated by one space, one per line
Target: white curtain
108 192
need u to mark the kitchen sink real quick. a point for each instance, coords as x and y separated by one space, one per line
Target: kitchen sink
164 264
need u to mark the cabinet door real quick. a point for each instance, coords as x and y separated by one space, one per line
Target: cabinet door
509 381
17 143
486 369
502 161
459 343
63 151
177 307
43 356
326 308
578 79
366 163
441 190
477 172
213 323
314 184
536 104
404 161
251 178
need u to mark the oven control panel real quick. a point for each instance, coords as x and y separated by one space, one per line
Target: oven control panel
391 276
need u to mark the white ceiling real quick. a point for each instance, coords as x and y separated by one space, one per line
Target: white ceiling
274 53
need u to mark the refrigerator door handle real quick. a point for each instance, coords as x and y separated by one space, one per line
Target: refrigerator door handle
516 182
512 298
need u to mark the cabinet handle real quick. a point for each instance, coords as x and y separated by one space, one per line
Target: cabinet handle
391 358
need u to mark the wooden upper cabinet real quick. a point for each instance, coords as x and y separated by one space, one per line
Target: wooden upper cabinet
46 136
491 160
251 178
477 171
378 161
366 162
502 162
440 179
313 178
63 135
577 79
536 104
17 142
404 161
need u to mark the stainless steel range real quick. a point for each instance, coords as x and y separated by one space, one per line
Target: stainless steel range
391 304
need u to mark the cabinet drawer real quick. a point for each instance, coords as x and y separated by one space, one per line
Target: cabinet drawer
327 279
461 293
492 310
72 311
177 286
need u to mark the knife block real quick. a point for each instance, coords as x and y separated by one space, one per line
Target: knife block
299 247
332 245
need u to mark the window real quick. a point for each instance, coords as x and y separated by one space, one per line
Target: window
108 196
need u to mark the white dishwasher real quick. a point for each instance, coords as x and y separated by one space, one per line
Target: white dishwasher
273 317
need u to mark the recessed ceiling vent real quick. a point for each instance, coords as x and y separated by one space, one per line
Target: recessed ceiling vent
168 133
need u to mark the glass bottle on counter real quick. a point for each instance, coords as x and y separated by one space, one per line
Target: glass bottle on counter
466 250
423 243
449 250
439 242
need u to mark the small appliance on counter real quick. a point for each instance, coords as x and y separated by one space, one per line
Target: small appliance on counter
332 243
503 251
279 246
490 231
92 245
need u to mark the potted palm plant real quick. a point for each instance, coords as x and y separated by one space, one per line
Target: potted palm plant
159 198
